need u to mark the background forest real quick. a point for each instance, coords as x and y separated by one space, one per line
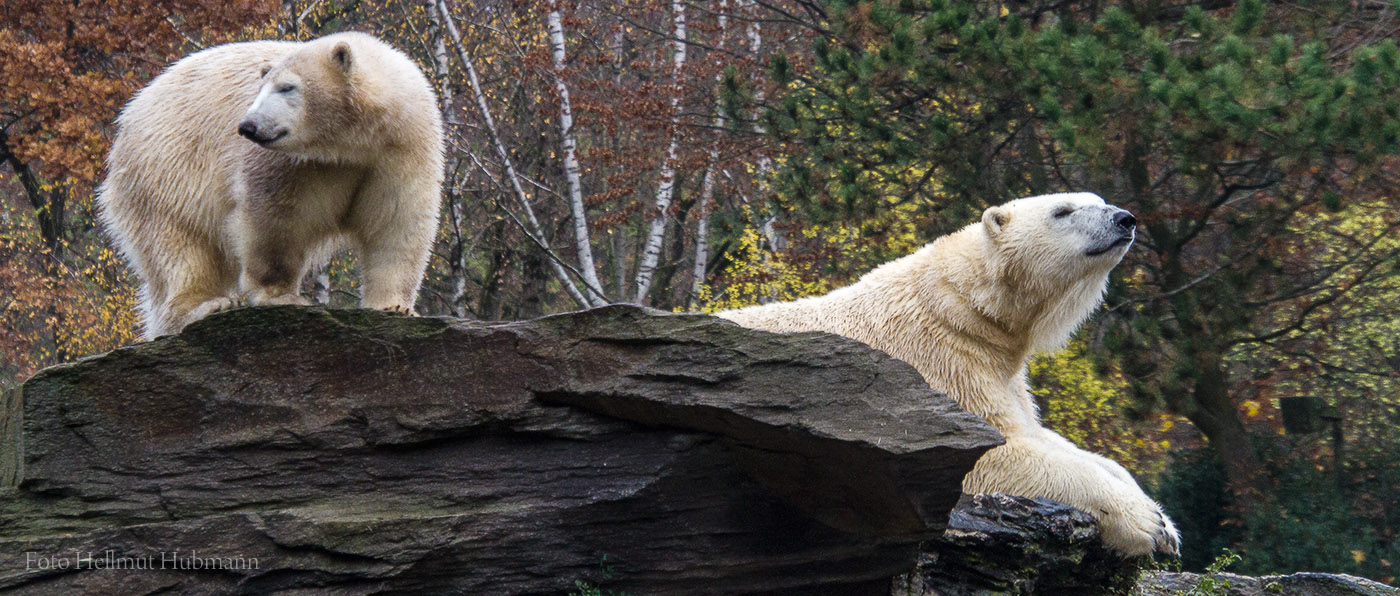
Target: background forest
706 154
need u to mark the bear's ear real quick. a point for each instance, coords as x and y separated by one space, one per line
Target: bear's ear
993 219
340 55
264 69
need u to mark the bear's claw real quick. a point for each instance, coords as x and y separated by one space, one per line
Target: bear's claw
283 299
209 307
1140 529
400 309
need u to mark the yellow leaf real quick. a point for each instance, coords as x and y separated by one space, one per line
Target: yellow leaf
1251 408
1358 556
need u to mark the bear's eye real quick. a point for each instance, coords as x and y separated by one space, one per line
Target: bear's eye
1063 212
286 88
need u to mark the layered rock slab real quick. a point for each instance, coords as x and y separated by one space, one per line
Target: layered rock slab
352 452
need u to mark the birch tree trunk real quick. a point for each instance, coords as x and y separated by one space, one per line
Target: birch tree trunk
702 234
584 244
287 25
533 229
665 188
441 63
460 256
707 186
321 285
755 34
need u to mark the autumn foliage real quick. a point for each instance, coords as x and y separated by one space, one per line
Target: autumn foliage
69 67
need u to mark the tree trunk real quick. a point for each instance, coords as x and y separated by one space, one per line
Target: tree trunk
583 243
707 185
702 234
776 242
533 281
441 65
321 284
1214 414
50 209
489 302
459 257
651 251
1205 398
673 252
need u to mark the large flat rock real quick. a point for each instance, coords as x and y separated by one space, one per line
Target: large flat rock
1165 583
353 452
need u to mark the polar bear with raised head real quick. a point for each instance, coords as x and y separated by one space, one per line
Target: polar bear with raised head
242 164
968 311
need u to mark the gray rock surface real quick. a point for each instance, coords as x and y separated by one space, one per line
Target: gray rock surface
352 452
1163 583
1000 544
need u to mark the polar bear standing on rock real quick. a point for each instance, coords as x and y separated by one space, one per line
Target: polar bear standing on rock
242 164
968 311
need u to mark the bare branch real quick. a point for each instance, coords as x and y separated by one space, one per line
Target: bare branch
534 231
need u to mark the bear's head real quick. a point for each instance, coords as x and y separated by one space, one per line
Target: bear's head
1059 238
306 102
1052 254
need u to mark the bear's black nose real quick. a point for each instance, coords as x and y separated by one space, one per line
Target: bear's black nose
248 130
1124 220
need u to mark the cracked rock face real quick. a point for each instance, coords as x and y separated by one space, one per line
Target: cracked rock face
353 452
1005 545
1000 545
1162 583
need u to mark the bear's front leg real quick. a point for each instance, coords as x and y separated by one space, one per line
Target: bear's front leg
395 232
274 261
1129 521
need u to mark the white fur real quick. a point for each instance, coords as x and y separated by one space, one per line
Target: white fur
207 217
968 311
263 94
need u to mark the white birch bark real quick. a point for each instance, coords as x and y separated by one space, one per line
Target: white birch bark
321 285
534 229
441 63
755 34
707 185
459 273
666 186
702 232
442 71
584 244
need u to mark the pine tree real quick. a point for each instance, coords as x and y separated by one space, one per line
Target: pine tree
1226 132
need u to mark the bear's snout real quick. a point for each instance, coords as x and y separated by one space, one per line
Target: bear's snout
248 130
1124 220
260 134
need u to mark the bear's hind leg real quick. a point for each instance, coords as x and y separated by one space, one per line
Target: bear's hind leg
209 307
199 282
